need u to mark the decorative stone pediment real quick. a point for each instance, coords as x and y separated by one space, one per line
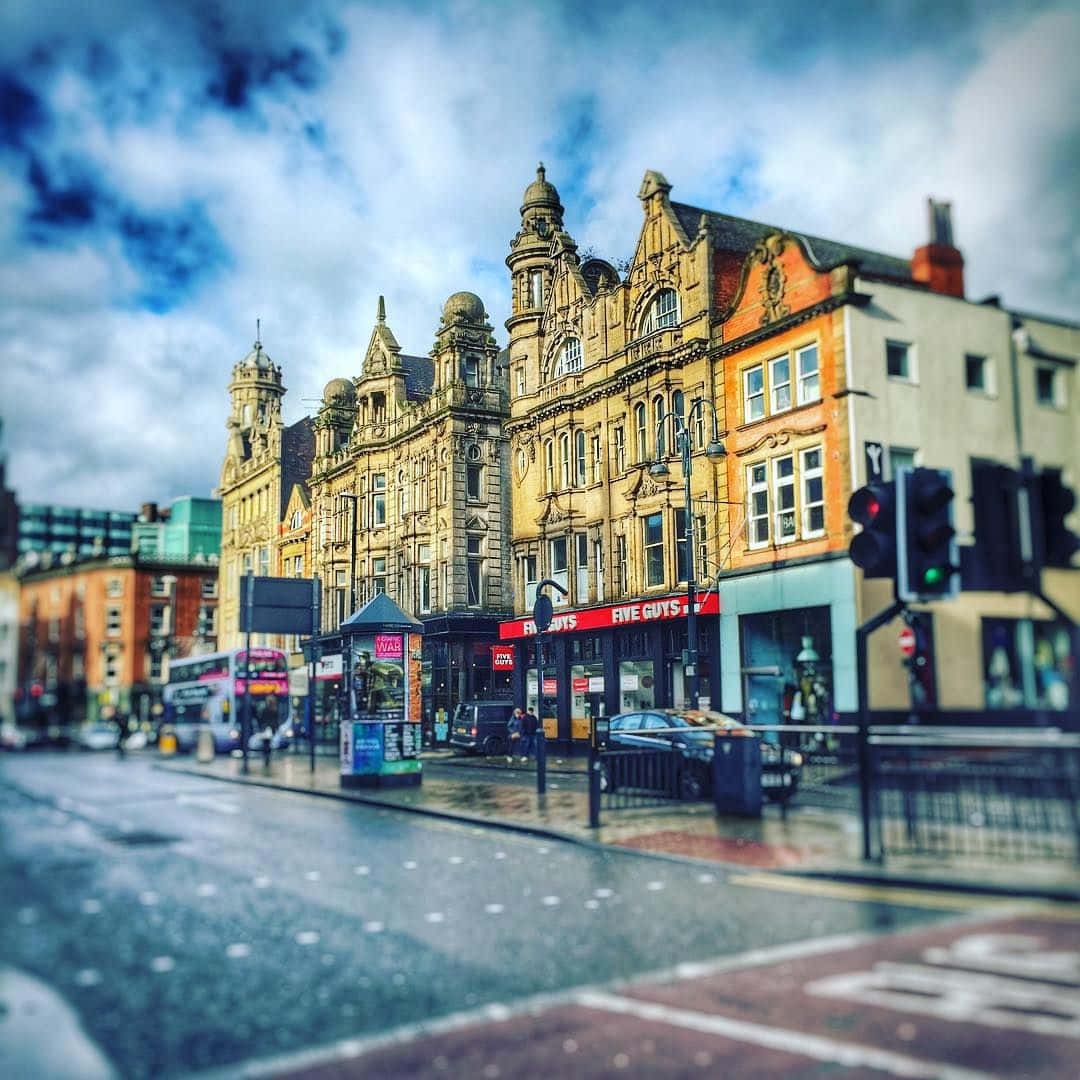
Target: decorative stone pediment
643 486
554 513
775 439
773 282
475 523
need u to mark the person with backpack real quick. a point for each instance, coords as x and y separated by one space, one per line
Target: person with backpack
514 730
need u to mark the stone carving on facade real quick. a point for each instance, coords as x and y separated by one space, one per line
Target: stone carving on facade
767 253
554 513
774 439
643 486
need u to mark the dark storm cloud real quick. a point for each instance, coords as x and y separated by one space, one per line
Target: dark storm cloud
60 203
21 111
173 254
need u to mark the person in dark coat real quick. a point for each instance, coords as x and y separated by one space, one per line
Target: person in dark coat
514 729
121 732
529 726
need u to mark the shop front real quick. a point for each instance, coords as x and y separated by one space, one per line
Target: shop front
613 658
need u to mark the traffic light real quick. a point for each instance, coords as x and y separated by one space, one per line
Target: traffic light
1053 503
927 557
874 549
995 562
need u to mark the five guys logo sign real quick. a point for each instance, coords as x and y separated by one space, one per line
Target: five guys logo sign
502 657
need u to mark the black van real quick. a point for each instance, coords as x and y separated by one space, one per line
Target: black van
481 726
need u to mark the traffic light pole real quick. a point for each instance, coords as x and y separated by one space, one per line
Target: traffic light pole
862 634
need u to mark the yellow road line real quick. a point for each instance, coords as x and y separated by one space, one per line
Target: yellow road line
843 890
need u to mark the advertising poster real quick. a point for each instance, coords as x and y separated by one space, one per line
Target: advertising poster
367 749
345 732
385 740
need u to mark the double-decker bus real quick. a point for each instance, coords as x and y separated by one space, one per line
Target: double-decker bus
210 690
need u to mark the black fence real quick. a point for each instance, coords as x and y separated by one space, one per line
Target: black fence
936 792
994 796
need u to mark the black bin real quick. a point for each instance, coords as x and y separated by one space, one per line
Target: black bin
737 775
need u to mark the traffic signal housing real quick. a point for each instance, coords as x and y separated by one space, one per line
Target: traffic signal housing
1053 502
874 548
927 559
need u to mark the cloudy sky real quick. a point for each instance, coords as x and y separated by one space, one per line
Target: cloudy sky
170 171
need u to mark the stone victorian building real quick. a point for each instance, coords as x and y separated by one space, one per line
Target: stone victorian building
263 459
801 355
408 496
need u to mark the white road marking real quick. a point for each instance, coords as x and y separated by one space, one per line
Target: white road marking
208 802
798 1043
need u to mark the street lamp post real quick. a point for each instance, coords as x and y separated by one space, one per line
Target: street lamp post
714 451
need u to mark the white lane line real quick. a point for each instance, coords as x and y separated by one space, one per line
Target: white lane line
208 802
799 1043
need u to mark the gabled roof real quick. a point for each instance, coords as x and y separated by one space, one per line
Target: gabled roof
297 452
741 235
419 375
381 613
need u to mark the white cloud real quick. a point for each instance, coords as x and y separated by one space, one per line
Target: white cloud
426 131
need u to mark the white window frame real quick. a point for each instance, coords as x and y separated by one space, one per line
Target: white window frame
114 587
1057 398
806 475
806 379
659 406
580 473
570 360
755 486
663 312
520 373
559 565
530 578
536 289
641 424
786 483
581 567
647 547
564 459
620 448
758 397
549 463
596 445
776 385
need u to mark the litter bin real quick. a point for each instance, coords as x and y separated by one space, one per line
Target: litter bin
204 746
737 773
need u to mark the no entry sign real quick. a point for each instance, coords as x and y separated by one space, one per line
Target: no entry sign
907 641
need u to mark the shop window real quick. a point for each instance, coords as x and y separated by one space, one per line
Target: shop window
653 527
637 685
787 675
1028 664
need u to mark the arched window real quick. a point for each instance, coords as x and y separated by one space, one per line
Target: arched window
569 362
662 312
579 458
641 426
549 464
659 412
564 454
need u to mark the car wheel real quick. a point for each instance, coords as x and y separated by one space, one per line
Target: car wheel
691 786
493 746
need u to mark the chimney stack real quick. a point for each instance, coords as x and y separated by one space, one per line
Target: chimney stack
939 264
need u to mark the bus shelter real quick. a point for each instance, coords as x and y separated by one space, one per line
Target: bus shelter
380 730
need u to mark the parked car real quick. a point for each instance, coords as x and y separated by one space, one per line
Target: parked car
692 733
12 737
480 726
97 737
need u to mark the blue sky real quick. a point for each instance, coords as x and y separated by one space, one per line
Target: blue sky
171 171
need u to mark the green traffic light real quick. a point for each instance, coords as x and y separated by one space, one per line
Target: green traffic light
934 576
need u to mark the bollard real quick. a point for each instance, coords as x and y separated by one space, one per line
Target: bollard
541 761
594 788
204 747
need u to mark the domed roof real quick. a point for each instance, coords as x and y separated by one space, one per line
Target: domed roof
339 392
541 193
464 305
258 358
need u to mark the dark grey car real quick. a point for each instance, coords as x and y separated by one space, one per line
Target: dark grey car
480 726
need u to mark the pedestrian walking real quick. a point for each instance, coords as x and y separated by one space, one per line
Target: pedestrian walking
529 726
514 728
121 733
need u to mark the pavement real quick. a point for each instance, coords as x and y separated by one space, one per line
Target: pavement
801 841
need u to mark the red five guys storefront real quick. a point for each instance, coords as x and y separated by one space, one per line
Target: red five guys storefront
599 661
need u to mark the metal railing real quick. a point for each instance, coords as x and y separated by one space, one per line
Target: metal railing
638 777
978 794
